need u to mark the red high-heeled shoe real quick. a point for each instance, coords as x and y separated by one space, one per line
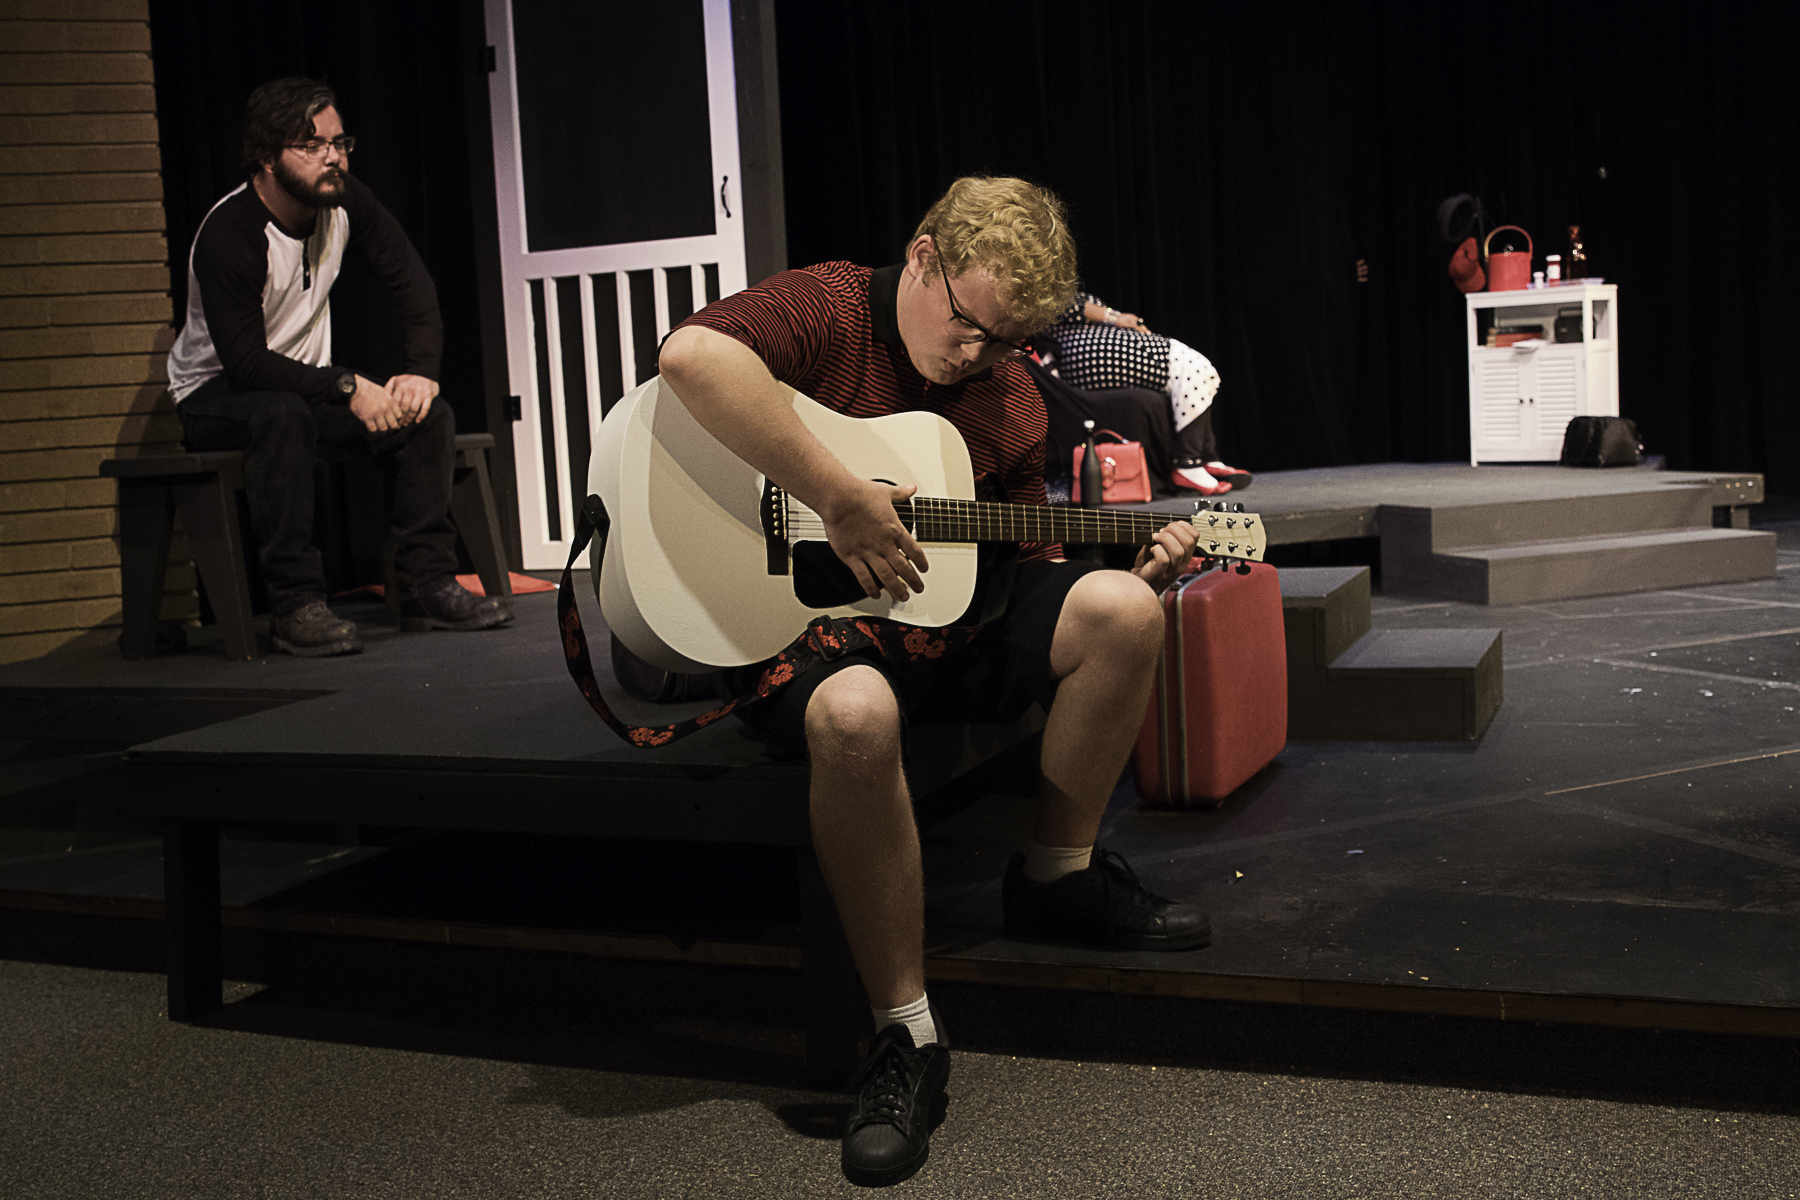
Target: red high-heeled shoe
1181 479
1239 480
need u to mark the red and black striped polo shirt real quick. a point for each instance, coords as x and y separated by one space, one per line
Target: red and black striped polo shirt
830 332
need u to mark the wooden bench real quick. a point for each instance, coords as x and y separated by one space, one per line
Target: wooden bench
202 489
387 751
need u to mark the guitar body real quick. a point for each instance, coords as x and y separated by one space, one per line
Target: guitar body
686 583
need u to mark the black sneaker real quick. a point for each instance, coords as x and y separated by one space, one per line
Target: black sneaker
446 604
900 1100
1104 905
314 631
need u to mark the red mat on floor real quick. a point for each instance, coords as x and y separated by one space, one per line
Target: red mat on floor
522 585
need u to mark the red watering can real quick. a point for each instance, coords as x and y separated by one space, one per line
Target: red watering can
1508 270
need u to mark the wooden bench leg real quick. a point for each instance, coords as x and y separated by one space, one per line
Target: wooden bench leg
836 1007
146 522
1731 516
478 520
209 515
191 918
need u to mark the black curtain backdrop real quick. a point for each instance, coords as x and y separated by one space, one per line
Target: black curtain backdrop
401 70
1227 164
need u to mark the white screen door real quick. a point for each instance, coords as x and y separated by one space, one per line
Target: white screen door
616 159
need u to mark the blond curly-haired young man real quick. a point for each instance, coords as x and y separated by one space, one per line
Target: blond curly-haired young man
992 263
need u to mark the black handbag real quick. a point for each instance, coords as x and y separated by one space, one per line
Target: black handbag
1601 442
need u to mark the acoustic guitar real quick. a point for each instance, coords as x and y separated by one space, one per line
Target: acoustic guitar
710 565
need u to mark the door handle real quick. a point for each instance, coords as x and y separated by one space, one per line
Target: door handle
724 203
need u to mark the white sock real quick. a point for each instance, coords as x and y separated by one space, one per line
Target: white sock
915 1016
1047 864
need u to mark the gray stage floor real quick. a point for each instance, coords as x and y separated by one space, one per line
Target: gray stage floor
1629 825
1626 828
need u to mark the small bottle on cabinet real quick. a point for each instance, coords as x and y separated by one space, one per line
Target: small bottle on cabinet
1552 270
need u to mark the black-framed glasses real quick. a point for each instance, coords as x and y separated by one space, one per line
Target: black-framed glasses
988 340
316 147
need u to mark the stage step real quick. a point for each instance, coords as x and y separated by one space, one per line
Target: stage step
1524 551
1505 522
1600 564
1349 682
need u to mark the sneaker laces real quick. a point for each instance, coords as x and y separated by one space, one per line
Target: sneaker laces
1117 875
890 1068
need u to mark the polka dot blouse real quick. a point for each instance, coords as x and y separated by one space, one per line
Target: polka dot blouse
1098 357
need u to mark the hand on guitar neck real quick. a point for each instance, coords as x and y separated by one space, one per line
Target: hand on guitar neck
867 534
1161 562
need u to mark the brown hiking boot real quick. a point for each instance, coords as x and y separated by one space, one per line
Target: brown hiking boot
314 631
446 604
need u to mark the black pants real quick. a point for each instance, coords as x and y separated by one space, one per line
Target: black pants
1196 440
279 434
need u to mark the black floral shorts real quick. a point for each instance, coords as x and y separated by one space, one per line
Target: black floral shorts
990 681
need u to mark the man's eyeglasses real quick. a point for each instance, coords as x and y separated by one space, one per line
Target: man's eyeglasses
317 146
978 333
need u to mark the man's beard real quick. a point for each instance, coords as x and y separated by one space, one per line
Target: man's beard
315 195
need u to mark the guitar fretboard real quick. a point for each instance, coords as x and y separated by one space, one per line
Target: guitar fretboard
934 519
937 519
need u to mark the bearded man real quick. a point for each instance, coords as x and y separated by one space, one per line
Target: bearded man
252 369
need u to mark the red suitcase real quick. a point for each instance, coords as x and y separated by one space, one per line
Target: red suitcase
1218 713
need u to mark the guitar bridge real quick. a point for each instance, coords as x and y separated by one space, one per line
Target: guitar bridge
774 523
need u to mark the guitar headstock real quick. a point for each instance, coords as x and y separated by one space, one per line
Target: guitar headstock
1228 532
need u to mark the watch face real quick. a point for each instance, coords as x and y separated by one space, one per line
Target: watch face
347 384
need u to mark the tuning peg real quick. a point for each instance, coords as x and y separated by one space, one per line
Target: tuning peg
1243 568
1237 508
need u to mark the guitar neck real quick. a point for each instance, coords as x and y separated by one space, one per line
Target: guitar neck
935 519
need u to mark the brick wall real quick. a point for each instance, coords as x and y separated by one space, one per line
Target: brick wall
84 312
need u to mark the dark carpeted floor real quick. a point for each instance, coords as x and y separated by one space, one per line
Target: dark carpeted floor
105 1098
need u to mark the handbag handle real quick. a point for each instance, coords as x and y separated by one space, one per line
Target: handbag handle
1115 436
1502 229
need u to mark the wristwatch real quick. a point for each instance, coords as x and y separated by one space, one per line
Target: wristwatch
346 386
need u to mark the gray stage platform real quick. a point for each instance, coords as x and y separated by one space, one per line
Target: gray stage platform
1621 847
1345 502
1525 533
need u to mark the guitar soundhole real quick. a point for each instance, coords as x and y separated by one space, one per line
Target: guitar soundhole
821 580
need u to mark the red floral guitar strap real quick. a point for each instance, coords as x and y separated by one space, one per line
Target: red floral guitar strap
824 640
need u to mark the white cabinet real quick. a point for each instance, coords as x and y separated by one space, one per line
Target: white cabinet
1521 396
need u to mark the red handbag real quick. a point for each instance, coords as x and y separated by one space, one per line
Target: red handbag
1123 479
